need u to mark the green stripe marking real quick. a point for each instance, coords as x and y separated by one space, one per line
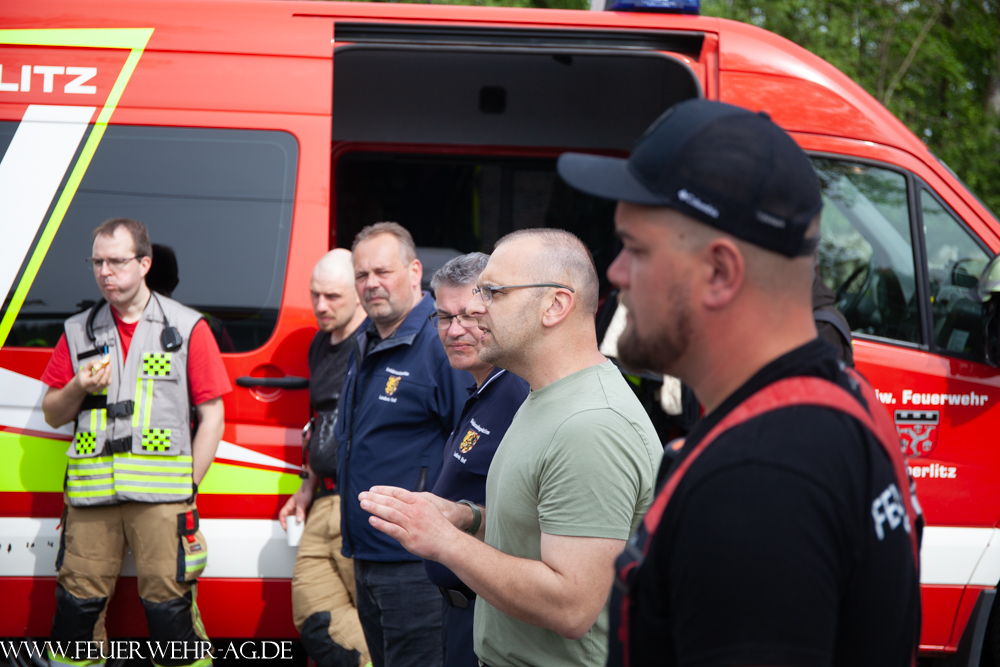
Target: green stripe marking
134 39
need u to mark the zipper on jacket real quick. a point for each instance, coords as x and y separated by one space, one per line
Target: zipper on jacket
421 480
345 530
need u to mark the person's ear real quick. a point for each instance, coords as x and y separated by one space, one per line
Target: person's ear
725 270
558 307
144 265
417 273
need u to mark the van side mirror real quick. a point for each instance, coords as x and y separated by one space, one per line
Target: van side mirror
988 290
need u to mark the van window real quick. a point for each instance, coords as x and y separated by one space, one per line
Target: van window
457 204
220 200
954 264
866 249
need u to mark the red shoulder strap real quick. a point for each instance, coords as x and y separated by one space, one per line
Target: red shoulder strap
810 391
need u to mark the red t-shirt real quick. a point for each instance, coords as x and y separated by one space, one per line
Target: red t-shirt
207 378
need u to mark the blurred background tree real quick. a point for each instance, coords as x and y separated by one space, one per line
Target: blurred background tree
934 63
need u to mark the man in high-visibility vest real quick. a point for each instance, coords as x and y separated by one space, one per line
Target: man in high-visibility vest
127 372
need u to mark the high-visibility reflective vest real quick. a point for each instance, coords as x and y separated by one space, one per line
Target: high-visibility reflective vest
133 440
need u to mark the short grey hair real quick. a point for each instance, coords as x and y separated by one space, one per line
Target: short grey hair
460 271
565 252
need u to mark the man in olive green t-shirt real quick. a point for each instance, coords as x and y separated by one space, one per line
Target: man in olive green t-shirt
570 480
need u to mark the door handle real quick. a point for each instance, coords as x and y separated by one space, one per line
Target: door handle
287 382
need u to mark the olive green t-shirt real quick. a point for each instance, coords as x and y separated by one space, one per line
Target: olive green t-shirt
580 460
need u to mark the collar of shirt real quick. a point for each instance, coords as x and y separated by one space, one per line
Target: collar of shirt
475 390
404 334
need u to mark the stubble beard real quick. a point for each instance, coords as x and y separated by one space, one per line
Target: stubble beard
660 351
506 355
493 354
387 312
337 323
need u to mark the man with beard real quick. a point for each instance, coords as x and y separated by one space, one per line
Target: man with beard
400 402
569 481
323 580
785 533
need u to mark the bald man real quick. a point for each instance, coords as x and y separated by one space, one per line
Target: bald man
785 533
570 479
323 595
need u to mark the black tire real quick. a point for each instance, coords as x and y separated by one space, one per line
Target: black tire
990 656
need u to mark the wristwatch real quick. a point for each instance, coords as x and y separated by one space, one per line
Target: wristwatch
477 516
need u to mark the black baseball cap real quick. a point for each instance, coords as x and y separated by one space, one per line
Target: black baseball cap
719 164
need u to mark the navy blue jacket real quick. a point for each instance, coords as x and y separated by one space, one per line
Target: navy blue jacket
470 449
395 416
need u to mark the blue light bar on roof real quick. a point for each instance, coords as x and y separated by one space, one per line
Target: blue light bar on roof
665 6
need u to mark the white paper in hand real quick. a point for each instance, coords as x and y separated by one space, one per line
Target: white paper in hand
294 530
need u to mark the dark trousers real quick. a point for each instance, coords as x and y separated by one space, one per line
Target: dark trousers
458 644
400 612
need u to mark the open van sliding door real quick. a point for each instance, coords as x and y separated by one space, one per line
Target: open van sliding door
453 131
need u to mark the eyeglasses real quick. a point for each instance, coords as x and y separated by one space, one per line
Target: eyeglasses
486 292
443 322
114 263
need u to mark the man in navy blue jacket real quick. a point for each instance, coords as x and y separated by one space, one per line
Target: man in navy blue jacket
493 401
399 404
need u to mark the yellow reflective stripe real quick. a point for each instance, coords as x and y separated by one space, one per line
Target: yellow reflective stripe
178 479
141 468
56 659
90 494
93 421
89 472
134 39
155 489
89 482
196 613
204 662
88 463
138 403
193 564
149 403
129 457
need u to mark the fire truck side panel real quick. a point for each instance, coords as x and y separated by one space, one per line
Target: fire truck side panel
269 67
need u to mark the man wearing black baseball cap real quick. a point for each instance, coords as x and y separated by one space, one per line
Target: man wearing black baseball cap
786 531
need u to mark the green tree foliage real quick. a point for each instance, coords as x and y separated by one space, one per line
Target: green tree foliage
934 64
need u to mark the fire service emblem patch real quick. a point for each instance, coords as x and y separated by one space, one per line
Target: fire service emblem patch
469 441
917 431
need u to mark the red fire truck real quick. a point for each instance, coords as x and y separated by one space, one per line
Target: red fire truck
251 137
